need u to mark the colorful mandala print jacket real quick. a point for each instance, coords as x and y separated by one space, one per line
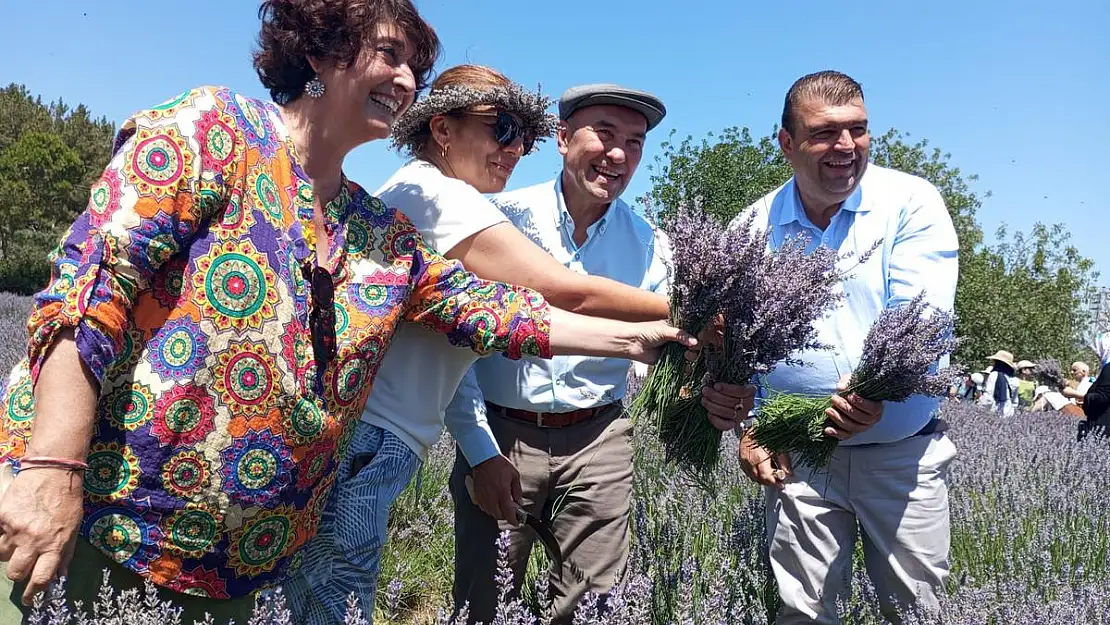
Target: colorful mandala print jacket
213 453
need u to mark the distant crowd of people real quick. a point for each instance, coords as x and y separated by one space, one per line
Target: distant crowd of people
1004 386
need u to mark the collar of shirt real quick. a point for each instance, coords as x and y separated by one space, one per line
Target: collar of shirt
793 211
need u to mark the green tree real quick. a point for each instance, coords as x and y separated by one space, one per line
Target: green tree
1023 293
39 176
50 155
726 172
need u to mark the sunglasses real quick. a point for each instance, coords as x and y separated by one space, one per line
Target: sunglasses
321 319
506 129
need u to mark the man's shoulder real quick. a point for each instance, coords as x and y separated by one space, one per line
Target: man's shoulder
760 211
884 182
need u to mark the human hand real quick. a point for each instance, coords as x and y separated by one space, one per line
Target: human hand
727 404
649 336
851 415
761 466
496 488
40 514
712 334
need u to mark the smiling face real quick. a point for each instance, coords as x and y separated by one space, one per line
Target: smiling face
828 150
475 156
601 146
363 99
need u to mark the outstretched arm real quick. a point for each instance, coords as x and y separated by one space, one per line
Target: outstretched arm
502 253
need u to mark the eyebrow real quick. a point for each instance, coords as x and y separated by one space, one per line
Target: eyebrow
837 126
391 40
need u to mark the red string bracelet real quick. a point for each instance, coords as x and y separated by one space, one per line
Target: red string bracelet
47 462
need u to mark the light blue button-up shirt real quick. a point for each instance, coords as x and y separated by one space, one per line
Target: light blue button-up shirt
621 246
919 252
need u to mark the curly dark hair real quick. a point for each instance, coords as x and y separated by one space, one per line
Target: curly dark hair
294 30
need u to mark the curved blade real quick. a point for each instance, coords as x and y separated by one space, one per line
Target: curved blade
546 536
541 528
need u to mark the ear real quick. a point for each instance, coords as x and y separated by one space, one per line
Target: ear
786 143
441 130
562 138
316 65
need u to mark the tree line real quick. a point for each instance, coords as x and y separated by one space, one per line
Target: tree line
1022 293
50 155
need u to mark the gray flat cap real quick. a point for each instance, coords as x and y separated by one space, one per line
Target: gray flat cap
643 102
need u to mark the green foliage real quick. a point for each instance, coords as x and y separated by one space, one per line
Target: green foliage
1023 293
725 173
49 157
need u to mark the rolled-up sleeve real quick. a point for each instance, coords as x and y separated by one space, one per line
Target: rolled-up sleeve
487 317
154 194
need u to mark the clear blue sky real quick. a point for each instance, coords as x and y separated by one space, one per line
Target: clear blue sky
1017 91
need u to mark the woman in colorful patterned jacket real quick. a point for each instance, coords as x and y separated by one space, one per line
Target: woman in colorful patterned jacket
215 318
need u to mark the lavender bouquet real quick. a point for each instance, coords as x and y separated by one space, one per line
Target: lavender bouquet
769 300
899 355
697 285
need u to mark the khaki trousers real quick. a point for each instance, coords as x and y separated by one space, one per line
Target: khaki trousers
893 495
584 473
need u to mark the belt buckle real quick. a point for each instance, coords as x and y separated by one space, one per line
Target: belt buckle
539 419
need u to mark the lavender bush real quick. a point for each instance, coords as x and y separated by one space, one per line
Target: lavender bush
1030 543
14 310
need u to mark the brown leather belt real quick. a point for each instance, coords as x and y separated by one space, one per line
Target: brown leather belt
550 419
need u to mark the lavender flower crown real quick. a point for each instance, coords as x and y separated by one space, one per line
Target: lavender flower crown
528 106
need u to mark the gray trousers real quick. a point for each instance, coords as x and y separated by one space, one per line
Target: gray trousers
584 473
894 495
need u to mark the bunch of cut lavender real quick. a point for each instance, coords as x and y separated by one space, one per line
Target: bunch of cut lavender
770 300
699 272
899 354
1049 373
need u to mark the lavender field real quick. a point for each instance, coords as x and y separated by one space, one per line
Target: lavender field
1031 536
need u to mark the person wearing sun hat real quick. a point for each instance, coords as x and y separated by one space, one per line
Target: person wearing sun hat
1000 389
1026 385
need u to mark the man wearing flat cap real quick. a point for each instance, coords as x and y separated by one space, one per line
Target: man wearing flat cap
560 422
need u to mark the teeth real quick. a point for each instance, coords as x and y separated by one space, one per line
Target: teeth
389 103
840 163
607 172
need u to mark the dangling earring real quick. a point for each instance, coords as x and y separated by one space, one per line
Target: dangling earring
314 88
444 151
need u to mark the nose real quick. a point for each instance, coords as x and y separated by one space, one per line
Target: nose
845 141
516 148
404 80
616 155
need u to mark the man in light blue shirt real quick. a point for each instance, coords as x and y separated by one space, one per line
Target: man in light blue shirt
560 422
888 474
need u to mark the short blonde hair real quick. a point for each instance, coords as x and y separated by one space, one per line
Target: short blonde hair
1082 366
